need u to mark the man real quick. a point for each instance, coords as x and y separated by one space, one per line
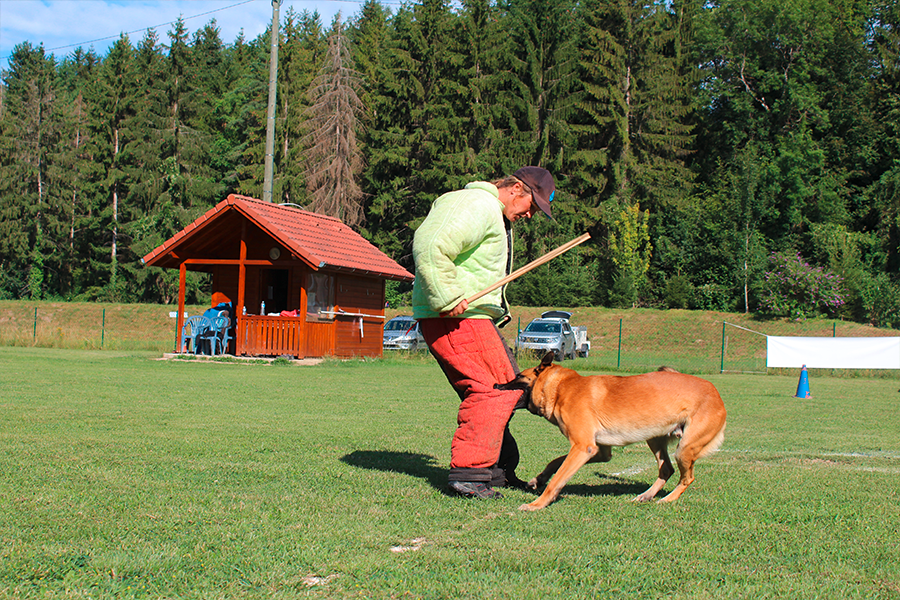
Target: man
463 246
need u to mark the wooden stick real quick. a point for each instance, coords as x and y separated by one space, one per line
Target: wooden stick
532 265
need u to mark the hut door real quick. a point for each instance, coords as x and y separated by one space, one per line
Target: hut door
273 288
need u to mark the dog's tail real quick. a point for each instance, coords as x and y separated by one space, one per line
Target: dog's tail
714 444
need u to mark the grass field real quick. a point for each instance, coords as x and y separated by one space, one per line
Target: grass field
123 476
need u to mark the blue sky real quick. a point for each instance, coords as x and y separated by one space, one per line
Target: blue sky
63 25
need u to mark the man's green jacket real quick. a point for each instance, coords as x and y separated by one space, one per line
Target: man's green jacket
460 249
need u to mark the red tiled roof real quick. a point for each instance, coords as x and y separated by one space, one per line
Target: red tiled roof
321 241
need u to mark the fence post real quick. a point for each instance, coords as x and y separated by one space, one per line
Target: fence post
619 358
34 331
103 329
722 365
518 331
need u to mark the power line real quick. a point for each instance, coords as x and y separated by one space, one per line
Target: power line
209 12
110 37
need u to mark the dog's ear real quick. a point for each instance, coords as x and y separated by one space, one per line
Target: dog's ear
547 360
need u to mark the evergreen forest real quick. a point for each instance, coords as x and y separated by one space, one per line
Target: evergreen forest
732 155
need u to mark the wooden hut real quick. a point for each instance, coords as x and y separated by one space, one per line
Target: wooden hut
322 283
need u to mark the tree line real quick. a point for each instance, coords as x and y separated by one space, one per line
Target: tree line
734 155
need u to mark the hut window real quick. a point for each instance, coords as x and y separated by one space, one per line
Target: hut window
319 296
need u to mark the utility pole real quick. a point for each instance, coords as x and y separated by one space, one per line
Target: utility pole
270 122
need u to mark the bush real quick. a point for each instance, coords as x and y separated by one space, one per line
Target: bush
881 301
797 290
714 296
624 291
397 294
678 292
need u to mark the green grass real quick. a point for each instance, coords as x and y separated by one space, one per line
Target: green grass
127 477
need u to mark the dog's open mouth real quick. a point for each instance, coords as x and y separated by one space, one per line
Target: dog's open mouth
515 384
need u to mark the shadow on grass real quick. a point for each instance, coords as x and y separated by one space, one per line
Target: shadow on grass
409 463
611 486
425 467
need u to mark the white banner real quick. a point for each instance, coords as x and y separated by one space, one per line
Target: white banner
833 352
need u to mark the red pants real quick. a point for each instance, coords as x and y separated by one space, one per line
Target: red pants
474 357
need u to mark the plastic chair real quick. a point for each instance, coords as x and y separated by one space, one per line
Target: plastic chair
220 333
192 332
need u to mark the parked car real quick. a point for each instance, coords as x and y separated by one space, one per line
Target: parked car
402 333
551 331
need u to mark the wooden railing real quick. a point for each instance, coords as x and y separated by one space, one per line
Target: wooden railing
270 336
284 336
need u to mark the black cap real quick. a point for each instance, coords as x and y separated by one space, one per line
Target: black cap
543 188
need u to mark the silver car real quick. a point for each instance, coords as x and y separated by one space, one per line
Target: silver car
402 333
550 332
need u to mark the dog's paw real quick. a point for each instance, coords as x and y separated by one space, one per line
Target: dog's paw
533 484
530 506
604 453
514 482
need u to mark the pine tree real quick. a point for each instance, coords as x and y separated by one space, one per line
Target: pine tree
72 166
228 110
370 41
216 75
189 181
27 136
154 215
368 35
145 128
634 122
476 95
245 106
111 105
635 103
333 158
300 59
541 85
408 132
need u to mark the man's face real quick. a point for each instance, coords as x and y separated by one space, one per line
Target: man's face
519 205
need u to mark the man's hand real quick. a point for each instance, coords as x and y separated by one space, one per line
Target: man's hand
457 310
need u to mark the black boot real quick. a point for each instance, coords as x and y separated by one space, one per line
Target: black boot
473 483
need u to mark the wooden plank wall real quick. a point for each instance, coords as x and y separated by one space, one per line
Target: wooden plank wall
359 295
319 339
225 280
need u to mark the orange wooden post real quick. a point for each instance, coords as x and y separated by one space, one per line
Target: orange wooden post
242 282
304 330
179 319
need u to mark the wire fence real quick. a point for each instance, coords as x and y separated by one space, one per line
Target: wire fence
620 340
703 347
644 341
89 326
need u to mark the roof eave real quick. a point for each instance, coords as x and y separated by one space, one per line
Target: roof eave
367 272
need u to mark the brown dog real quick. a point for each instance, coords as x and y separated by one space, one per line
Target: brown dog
601 411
